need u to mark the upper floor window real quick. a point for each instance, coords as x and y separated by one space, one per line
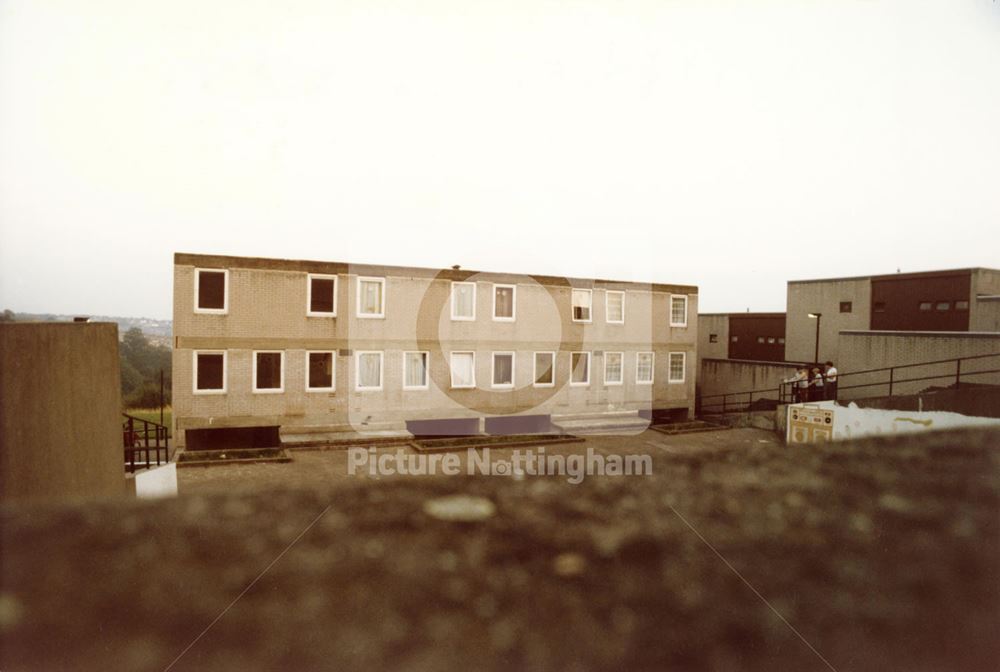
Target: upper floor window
926 305
961 305
846 306
943 306
678 311
582 300
209 372
371 297
322 296
463 300
713 338
504 297
268 371
211 292
614 307
320 371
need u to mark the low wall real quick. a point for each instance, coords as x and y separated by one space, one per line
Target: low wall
60 411
731 376
863 350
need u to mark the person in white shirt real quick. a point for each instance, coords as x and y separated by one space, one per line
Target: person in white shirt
800 385
831 381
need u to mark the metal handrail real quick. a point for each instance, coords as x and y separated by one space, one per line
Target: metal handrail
785 390
150 442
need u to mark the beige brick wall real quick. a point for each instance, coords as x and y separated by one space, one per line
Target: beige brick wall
824 296
865 350
267 310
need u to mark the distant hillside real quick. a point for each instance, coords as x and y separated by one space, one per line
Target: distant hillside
158 331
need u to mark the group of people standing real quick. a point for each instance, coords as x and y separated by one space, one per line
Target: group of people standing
814 384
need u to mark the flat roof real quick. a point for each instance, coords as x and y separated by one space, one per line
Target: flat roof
338 267
900 276
744 314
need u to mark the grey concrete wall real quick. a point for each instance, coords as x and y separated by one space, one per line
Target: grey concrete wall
267 310
708 324
731 376
60 411
864 350
824 296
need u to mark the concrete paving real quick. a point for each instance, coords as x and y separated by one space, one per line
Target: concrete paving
737 553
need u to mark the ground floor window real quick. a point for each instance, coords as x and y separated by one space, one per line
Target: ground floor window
677 362
503 369
545 370
613 368
415 370
268 371
319 371
644 368
579 368
209 372
463 369
369 374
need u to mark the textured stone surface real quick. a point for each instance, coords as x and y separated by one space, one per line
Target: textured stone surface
881 554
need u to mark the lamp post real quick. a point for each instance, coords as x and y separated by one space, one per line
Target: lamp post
817 317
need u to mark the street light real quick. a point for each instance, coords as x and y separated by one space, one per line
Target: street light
816 316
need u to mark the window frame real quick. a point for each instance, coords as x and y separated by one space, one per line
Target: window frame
621 368
225 291
333 370
572 369
493 370
309 288
652 367
534 368
475 292
590 308
513 302
670 379
225 372
253 374
369 316
686 305
451 369
357 371
427 370
607 293
849 305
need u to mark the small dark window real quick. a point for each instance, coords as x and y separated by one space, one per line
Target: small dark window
212 290
926 305
210 371
846 306
268 371
879 307
944 305
781 341
321 295
760 339
713 338
320 370
770 340
961 305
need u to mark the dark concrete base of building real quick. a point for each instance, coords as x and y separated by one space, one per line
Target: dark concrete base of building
229 438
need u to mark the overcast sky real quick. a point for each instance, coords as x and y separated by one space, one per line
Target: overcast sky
732 145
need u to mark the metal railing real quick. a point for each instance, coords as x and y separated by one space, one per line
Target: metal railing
888 383
145 443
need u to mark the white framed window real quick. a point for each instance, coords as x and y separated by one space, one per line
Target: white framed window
211 291
268 371
415 370
463 369
502 371
579 368
613 368
369 370
209 371
644 368
677 365
614 307
371 297
321 295
544 371
678 310
504 303
582 302
463 301
321 371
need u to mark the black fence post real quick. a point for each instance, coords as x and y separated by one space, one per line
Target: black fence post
958 374
891 372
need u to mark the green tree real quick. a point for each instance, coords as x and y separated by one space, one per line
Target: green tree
141 364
